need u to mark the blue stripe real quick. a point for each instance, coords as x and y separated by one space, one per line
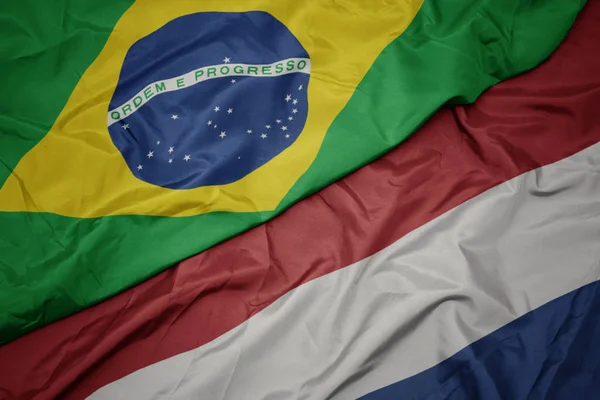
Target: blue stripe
552 352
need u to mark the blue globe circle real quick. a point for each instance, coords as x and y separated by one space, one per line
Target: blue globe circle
208 98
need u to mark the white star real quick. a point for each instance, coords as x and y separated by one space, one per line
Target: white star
233 81
140 167
295 101
170 160
158 142
217 109
239 158
209 122
215 126
222 135
288 97
125 126
278 121
287 136
249 131
174 117
150 154
284 128
171 149
300 87
294 111
263 136
268 126
186 158
290 118
229 111
226 60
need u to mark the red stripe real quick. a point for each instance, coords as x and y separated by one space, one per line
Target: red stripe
519 125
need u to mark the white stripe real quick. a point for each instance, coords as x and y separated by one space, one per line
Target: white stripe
408 307
190 79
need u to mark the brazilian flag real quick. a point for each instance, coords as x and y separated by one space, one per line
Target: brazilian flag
134 134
